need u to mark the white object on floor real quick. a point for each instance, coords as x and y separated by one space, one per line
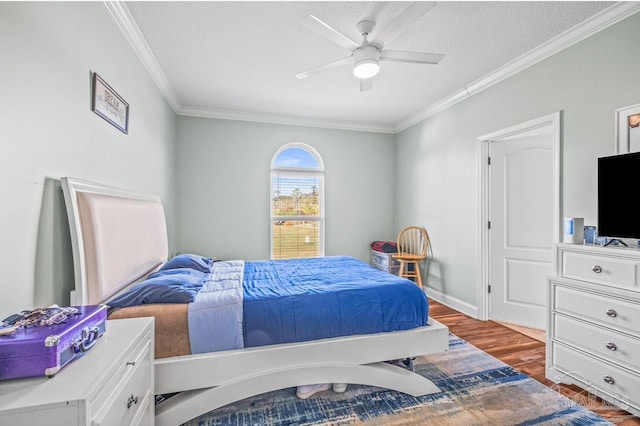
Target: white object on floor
307 391
339 387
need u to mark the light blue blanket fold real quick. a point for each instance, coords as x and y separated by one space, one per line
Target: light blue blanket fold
217 310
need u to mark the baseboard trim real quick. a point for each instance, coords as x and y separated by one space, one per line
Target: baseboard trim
452 302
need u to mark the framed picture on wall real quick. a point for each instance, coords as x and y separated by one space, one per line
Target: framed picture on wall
108 104
628 129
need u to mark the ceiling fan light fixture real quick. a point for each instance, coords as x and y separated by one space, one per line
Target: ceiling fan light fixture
366 61
366 68
365 56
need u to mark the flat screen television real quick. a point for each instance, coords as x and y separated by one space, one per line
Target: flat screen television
617 176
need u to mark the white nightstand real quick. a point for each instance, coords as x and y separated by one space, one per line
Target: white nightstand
112 384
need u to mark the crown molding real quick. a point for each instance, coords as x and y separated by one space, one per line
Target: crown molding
283 119
128 25
596 23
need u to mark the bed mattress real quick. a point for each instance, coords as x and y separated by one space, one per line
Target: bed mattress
171 326
296 300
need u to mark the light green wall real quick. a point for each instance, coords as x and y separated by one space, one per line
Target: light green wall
47 130
223 186
375 183
436 163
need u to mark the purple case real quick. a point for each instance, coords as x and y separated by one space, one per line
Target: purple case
43 351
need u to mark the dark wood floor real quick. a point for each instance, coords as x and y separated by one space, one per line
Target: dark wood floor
519 351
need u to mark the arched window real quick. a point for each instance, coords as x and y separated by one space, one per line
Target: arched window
297 202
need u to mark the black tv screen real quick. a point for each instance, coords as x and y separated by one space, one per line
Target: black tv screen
617 182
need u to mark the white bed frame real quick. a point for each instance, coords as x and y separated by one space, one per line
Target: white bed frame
119 236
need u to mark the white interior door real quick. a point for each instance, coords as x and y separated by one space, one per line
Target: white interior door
521 232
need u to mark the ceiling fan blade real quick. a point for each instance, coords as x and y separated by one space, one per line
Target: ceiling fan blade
410 15
327 31
412 57
325 67
366 84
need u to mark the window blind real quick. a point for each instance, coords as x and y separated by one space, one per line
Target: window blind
296 214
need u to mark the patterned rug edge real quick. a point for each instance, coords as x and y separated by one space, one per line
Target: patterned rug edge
476 389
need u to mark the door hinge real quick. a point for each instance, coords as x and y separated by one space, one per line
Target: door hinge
489 161
489 289
489 225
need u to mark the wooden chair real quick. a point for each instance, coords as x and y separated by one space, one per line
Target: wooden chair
413 244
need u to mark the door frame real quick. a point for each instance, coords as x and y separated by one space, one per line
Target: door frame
483 249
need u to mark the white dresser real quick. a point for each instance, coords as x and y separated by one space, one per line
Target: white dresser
593 330
109 385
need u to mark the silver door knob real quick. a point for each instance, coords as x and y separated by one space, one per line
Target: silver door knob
609 379
612 313
611 346
597 269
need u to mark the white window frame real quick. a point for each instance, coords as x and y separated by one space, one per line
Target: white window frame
292 171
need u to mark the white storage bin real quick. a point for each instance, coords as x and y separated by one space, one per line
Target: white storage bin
385 262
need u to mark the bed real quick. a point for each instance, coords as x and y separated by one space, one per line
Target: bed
119 238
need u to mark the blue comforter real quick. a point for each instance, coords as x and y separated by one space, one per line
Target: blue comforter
235 304
307 299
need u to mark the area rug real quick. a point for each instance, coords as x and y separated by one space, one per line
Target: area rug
477 389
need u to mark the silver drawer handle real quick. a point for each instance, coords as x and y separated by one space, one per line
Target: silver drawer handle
609 379
597 269
611 346
612 313
134 400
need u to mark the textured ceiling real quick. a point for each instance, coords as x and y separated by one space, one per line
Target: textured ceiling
239 58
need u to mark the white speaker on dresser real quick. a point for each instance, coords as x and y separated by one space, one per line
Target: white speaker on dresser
593 330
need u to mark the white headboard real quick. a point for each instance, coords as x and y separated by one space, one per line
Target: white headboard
117 236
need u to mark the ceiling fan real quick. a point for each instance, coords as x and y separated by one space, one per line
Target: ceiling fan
366 55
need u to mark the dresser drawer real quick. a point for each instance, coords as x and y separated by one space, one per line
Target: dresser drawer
118 372
613 346
619 314
614 271
131 393
622 388
145 415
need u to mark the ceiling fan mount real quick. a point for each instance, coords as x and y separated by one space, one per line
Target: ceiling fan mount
367 55
365 28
